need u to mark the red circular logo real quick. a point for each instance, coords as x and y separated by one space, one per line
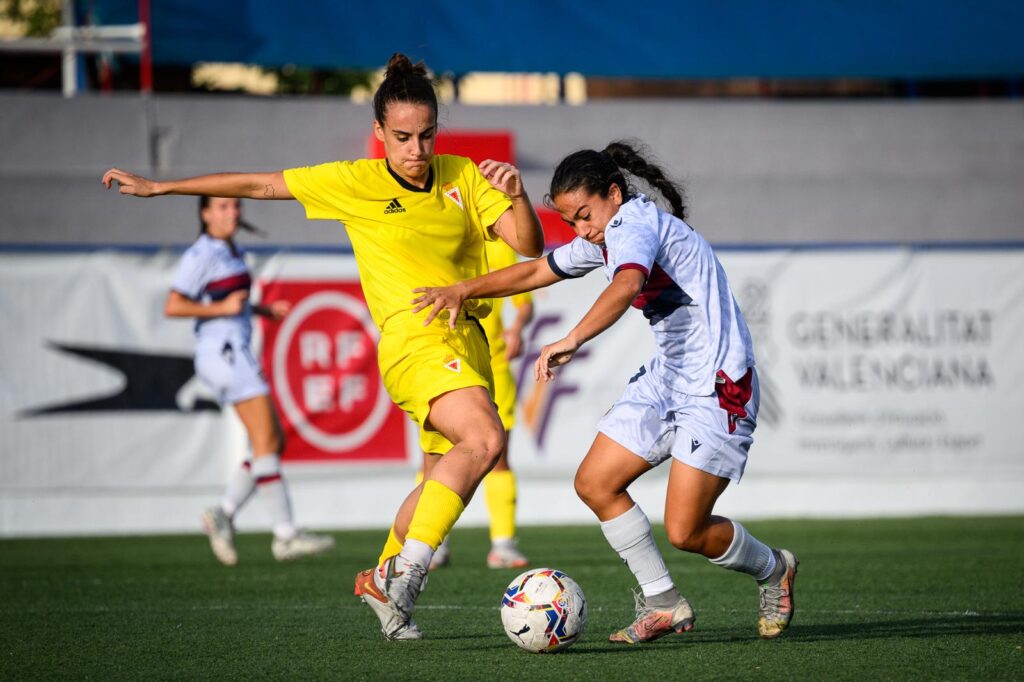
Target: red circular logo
324 367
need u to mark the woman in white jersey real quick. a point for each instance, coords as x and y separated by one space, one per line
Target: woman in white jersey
212 285
695 402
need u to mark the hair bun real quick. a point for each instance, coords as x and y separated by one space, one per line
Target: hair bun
400 66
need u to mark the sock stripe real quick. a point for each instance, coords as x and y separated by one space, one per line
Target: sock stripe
263 480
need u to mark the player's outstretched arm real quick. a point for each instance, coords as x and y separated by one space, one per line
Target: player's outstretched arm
515 279
235 185
179 305
606 311
519 227
275 310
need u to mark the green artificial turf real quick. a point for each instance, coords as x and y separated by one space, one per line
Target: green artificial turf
939 598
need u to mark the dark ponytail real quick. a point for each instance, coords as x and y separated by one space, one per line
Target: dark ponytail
204 202
596 172
404 82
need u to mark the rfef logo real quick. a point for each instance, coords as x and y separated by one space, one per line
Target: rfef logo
321 360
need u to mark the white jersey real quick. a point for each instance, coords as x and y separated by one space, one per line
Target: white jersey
697 324
209 271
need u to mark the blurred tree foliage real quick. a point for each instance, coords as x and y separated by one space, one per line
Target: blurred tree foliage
295 80
39 17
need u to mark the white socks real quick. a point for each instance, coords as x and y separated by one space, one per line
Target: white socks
266 470
417 551
629 534
747 554
241 486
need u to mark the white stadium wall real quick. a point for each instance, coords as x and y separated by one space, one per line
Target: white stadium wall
891 379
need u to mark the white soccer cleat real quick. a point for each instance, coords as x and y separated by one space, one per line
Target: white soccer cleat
391 590
506 554
777 601
302 545
218 526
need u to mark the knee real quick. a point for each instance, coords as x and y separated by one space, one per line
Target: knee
686 537
490 443
589 490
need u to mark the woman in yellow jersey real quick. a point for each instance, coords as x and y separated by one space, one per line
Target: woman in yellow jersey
412 218
500 484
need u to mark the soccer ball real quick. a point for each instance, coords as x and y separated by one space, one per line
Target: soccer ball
543 610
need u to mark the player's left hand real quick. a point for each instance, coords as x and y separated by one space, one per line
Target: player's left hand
554 355
504 177
513 343
278 309
448 298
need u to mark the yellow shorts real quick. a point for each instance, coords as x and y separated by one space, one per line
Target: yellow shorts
419 363
504 386
504 383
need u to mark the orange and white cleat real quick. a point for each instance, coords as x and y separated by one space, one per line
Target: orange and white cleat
506 554
652 623
390 590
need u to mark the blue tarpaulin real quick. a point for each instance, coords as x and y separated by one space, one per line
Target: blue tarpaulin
685 39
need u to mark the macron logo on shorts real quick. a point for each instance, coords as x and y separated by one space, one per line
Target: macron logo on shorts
453 363
394 207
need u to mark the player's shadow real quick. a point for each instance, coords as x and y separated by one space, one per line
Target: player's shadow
939 625
919 627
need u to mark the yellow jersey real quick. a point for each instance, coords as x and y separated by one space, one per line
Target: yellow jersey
403 236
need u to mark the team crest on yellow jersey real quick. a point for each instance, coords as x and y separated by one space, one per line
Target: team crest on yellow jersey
452 192
453 363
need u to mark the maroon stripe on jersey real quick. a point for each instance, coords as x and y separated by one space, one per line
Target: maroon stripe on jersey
658 282
632 266
733 396
228 284
661 296
268 479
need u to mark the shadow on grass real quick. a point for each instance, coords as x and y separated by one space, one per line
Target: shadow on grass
983 624
980 625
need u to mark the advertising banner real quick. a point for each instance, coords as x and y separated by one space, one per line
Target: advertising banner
889 379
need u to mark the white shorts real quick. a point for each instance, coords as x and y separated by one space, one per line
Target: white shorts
711 433
228 368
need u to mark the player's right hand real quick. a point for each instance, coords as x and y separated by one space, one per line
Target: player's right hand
234 303
553 355
441 298
129 183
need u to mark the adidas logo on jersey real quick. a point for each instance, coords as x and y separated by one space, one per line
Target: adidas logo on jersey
394 207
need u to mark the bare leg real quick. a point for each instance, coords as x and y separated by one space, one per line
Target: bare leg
605 474
691 497
261 425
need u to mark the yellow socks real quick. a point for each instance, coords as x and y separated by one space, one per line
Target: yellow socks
436 512
500 494
391 547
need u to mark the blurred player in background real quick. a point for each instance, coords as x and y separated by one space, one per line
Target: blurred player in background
212 285
506 343
695 402
412 217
